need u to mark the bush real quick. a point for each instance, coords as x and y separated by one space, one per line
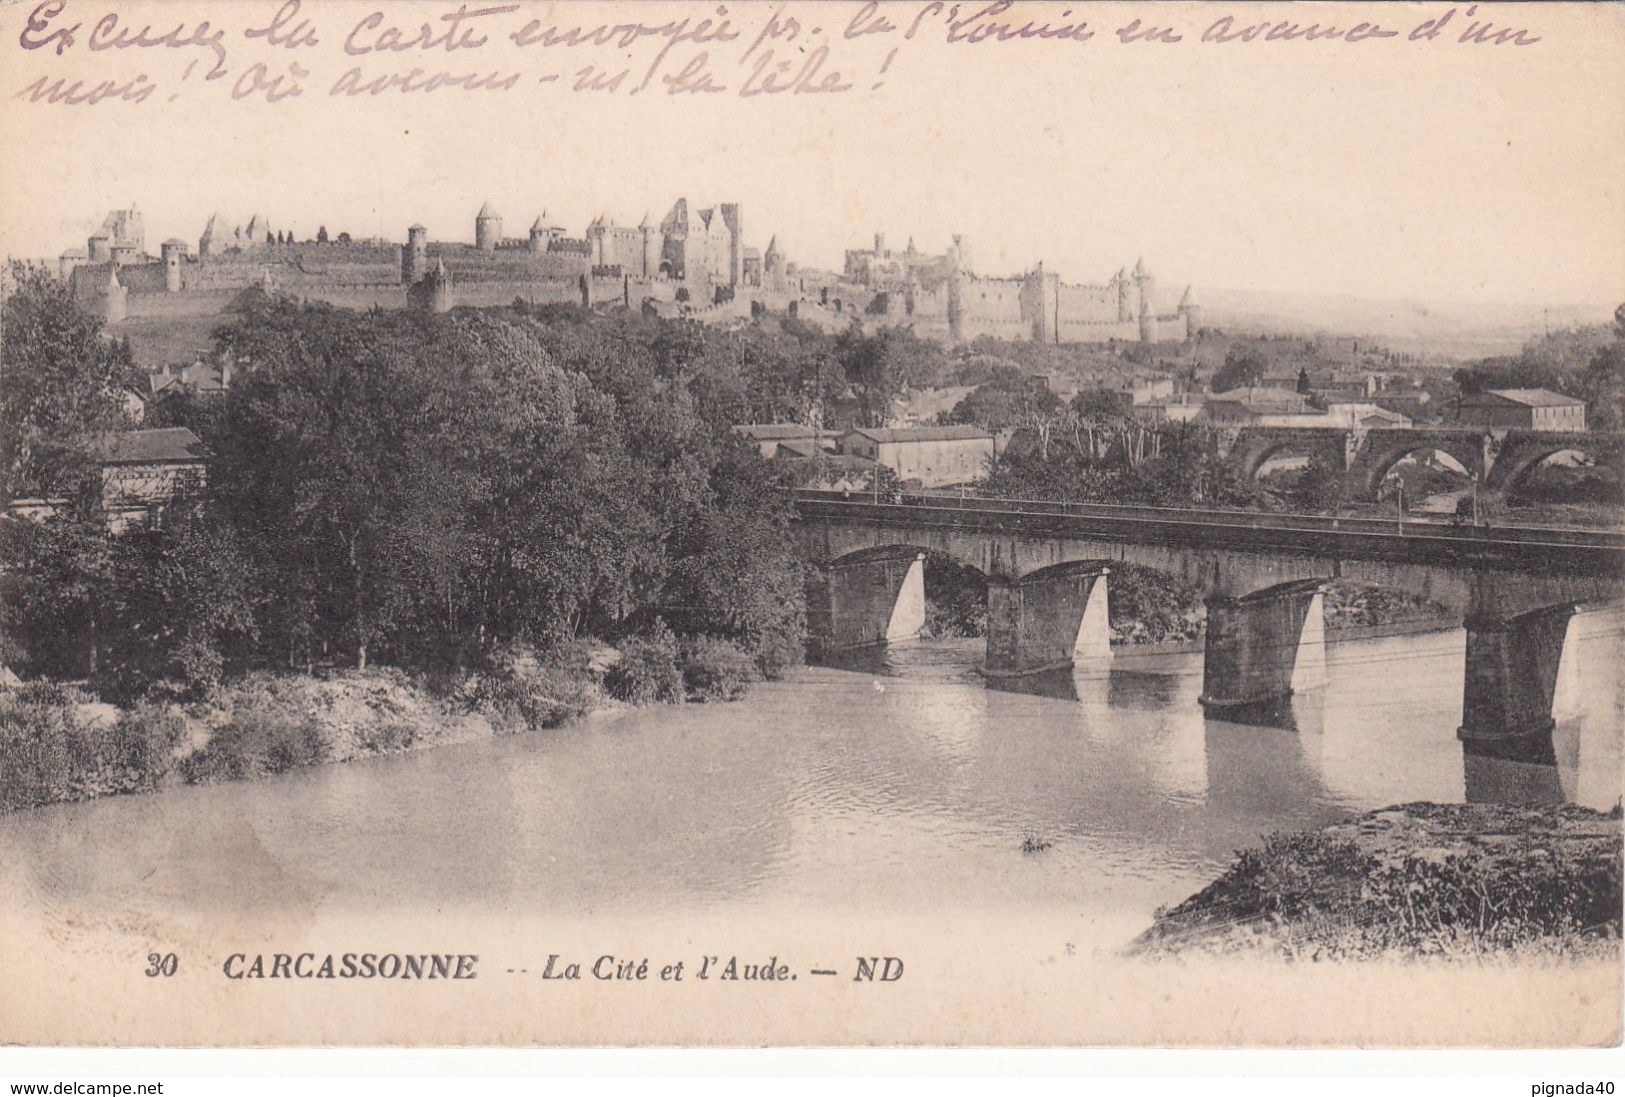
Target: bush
1147 606
262 738
39 734
647 672
49 753
716 669
147 740
522 690
778 649
1316 896
386 737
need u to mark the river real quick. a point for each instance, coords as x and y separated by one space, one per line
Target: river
900 787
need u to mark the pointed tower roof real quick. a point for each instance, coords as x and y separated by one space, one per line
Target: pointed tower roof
255 227
487 212
1140 269
678 217
646 223
773 246
112 276
1189 300
536 225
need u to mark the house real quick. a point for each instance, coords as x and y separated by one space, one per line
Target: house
1365 415
201 377
1147 391
1523 409
933 456
767 437
1174 409
1256 407
144 472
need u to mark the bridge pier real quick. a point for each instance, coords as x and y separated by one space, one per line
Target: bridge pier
866 599
1260 649
1522 672
1048 620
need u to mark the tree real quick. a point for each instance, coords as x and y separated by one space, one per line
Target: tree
321 234
61 385
878 367
1243 366
54 584
333 459
180 600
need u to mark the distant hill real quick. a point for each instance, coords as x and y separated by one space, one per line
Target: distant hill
1450 329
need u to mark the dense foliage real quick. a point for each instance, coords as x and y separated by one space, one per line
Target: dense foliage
1104 456
61 384
420 490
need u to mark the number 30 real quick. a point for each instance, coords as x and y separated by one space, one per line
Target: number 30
165 965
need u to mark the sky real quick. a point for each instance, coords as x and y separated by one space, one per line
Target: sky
1378 169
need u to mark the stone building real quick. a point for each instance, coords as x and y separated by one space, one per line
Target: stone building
933 456
1524 409
145 472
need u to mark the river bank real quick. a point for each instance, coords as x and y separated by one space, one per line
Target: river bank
1452 881
59 743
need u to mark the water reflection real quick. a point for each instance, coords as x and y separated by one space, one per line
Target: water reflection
907 784
1530 770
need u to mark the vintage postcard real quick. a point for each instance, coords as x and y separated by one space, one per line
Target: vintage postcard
790 523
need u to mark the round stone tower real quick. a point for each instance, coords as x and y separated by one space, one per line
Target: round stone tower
415 255
1148 321
174 255
651 246
115 298
487 228
1146 283
1191 310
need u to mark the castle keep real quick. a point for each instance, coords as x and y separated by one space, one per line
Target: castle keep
693 262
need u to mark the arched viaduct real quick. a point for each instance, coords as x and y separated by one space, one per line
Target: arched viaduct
1499 459
1048 567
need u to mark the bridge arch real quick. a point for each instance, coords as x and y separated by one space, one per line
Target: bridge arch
1509 476
1385 449
1523 455
903 550
1256 446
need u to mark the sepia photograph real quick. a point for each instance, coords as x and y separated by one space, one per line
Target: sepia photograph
811 524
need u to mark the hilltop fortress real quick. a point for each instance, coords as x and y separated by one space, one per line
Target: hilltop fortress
692 264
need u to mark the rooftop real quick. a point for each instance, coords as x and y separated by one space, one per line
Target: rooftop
768 432
1535 398
957 433
165 445
1261 397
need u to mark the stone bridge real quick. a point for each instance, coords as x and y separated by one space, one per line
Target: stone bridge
1497 458
1262 577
